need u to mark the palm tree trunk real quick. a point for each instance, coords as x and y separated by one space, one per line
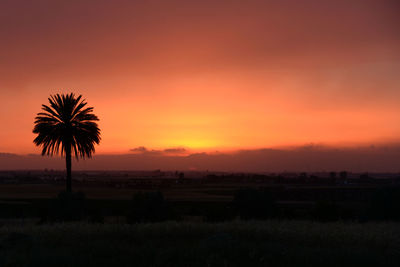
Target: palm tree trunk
68 163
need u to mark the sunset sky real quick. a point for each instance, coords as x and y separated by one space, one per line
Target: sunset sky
205 75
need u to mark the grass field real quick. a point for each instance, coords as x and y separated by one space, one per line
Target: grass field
270 243
32 200
178 192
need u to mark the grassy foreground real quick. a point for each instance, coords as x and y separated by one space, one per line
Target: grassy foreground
270 243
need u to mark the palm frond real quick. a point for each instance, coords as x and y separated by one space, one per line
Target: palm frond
67 123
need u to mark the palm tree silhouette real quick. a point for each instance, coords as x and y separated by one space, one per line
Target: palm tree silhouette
69 124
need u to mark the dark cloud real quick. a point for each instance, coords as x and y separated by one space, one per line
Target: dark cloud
144 151
177 150
140 149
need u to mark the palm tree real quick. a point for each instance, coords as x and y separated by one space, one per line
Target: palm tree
69 124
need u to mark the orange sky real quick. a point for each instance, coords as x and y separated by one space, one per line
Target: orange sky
205 75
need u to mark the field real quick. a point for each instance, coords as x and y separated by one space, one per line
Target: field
206 229
269 243
177 192
109 195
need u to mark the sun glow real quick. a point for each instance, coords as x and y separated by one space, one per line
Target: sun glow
206 76
192 143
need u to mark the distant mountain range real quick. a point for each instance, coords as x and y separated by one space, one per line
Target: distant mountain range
310 158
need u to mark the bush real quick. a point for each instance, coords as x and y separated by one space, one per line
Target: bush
254 204
385 204
67 206
149 207
218 213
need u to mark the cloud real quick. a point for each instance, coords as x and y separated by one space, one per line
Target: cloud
144 151
140 149
176 150
165 152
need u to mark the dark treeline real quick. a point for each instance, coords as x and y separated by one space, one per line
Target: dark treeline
381 204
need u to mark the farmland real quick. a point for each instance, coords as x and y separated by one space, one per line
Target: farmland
27 194
204 225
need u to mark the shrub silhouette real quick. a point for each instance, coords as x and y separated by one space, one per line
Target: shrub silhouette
385 204
343 174
149 207
67 206
218 213
254 204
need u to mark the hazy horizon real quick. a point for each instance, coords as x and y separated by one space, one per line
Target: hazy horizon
310 158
